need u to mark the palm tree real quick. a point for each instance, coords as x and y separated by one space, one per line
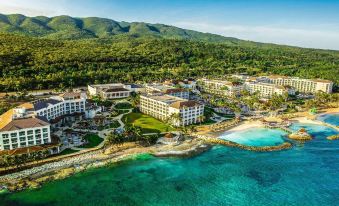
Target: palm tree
114 139
174 119
135 99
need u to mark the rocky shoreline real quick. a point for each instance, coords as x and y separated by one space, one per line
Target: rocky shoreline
283 146
36 176
333 137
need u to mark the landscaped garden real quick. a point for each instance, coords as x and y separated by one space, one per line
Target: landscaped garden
147 123
123 105
93 140
114 124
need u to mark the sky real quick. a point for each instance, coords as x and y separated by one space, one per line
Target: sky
305 23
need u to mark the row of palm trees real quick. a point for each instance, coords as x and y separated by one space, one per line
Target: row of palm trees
131 133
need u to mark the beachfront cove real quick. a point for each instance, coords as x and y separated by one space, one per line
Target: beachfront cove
256 137
220 176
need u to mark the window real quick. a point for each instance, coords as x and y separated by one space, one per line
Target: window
44 129
5 136
13 134
6 147
22 139
22 133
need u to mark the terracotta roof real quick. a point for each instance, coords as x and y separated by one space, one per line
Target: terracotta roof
181 104
277 76
116 90
322 80
6 117
30 122
70 95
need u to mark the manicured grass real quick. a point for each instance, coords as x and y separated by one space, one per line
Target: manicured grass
123 105
147 123
114 124
93 141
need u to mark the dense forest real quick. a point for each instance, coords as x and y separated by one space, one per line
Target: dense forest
28 62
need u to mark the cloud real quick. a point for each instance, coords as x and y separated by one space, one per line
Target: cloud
312 38
26 8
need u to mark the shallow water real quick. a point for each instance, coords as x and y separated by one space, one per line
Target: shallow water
304 175
256 137
330 118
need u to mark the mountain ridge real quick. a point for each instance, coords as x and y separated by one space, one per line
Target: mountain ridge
67 27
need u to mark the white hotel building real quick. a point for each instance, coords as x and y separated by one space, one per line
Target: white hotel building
220 87
302 85
29 124
265 90
110 91
167 90
164 107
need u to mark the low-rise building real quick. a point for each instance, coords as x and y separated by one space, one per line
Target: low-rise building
110 91
58 106
30 123
301 85
178 111
19 128
265 90
220 87
167 90
115 93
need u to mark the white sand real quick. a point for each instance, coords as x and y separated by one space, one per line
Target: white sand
245 125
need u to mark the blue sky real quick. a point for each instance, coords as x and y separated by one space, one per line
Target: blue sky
302 23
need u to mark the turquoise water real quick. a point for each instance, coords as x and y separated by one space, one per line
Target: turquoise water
330 118
305 175
256 137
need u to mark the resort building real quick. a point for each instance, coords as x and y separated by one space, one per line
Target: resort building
137 88
188 84
167 90
115 93
266 90
178 111
301 85
220 87
109 91
20 129
30 123
55 107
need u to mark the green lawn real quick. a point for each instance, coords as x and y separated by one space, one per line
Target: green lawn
147 123
93 141
123 105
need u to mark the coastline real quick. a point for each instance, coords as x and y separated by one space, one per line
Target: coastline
36 176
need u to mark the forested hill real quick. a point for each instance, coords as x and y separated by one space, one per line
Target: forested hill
66 27
36 63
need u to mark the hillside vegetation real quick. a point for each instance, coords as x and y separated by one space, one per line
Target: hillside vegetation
36 55
66 27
